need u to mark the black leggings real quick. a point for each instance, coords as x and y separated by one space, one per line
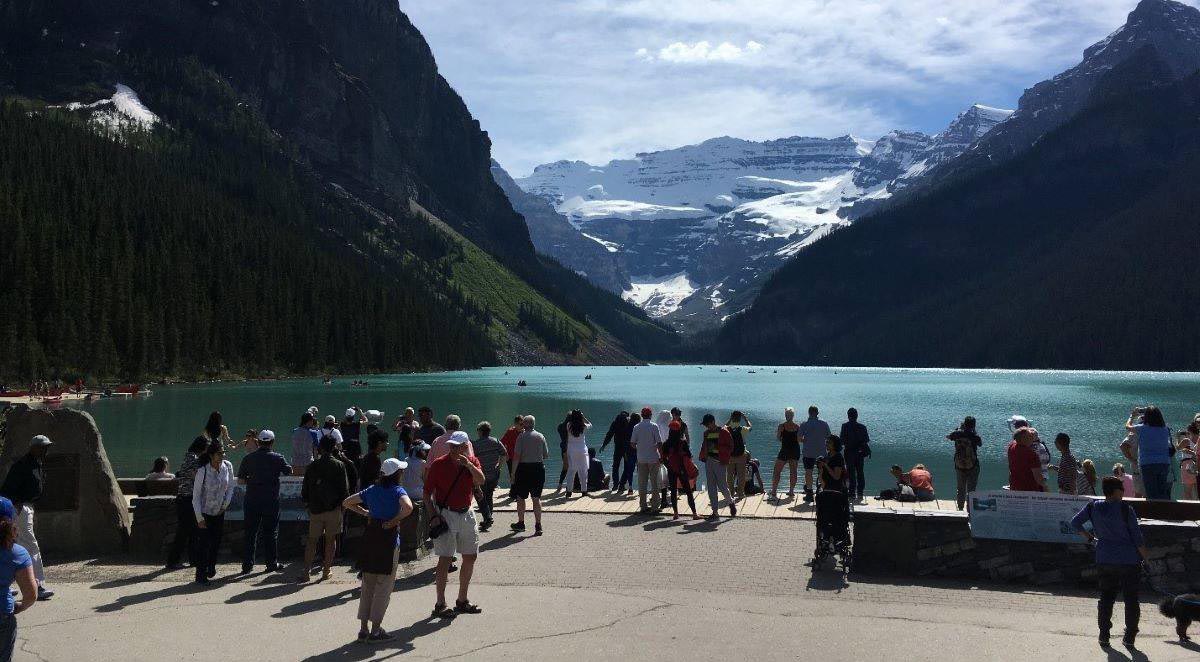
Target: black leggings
1125 580
672 480
207 542
184 532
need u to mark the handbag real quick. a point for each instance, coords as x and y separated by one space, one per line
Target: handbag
437 524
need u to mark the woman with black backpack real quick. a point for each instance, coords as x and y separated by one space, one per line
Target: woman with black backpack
966 458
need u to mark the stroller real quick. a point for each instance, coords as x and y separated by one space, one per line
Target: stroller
833 528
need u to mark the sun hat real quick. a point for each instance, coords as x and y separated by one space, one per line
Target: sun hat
40 440
266 435
391 466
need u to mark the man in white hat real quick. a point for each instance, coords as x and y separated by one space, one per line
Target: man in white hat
260 472
351 427
450 483
24 486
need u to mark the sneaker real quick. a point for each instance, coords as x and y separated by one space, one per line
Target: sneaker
363 634
212 571
732 510
568 496
273 567
517 526
247 569
326 573
44 593
537 529
381 635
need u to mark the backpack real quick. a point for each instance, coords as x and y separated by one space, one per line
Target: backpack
964 455
739 444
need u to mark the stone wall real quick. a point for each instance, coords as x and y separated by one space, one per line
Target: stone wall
939 544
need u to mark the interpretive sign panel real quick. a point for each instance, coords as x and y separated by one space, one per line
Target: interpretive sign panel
1013 515
291 507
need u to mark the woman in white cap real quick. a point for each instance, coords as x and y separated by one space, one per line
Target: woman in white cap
384 504
15 566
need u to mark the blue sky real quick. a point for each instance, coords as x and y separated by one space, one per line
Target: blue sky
602 79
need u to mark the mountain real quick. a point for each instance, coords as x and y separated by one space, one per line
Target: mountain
318 132
553 234
1070 254
699 227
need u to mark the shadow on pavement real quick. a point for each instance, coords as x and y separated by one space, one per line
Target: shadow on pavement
172 590
403 643
632 519
500 542
827 580
703 526
268 590
309 606
1117 655
149 576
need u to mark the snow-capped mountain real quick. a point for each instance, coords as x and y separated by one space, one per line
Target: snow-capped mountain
698 227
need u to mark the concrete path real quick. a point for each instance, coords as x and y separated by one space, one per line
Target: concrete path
595 587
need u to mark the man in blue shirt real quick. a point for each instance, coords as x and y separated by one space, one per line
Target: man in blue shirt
813 433
260 472
1120 550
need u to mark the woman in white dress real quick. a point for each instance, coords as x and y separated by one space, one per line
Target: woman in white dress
577 453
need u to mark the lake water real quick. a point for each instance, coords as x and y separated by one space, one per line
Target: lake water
908 411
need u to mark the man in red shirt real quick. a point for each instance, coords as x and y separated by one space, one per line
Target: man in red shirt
1024 467
509 440
450 482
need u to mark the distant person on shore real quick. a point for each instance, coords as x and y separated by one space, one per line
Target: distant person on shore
561 428
160 470
450 483
681 472
429 430
1088 482
1120 551
647 440
788 434
1186 447
716 448
1017 422
1129 449
813 434
1126 479
630 469
509 441
330 429
597 478
212 492
966 459
351 429
385 504
16 565
414 473
577 455
918 479
739 427
215 429
185 530
260 472
406 429
372 462
529 473
1024 468
326 486
304 442
1067 467
833 466
618 435
441 446
23 486
1154 450
491 456
856 447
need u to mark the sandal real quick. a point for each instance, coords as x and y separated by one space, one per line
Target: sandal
442 611
465 607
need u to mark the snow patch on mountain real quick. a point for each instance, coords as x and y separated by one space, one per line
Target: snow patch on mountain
124 109
660 296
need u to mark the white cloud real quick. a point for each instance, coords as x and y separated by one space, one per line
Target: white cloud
702 51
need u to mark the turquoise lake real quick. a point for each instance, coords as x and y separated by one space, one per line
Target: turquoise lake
908 411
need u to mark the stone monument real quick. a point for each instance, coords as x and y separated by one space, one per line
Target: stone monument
82 511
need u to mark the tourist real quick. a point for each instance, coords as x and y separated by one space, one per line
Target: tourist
249 441
491 456
1186 447
630 470
966 459
735 472
1120 550
1067 467
918 479
1024 468
1154 450
856 445
618 435
715 450
813 434
833 466
1017 422
577 452
23 486
681 472
685 434
1088 486
185 514
215 429
529 473
647 442
509 441
788 434
212 492
406 427
597 479
16 565
304 442
414 472
326 486
429 430
453 431
160 470
450 482
351 429
372 462
562 447
1126 479
260 472
1129 449
385 504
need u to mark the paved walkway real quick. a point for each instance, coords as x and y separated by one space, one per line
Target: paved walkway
595 587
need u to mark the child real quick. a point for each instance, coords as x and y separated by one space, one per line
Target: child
1089 478
1184 609
1186 445
1126 479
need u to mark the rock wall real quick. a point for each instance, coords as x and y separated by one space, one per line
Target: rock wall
939 544
82 511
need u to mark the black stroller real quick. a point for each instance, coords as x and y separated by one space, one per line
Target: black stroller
833 529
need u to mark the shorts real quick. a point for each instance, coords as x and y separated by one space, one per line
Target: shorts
529 480
325 524
789 453
461 538
810 463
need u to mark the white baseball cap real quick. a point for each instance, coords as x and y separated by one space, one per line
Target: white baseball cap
313 410
458 438
266 435
1017 420
350 412
422 446
391 466
40 440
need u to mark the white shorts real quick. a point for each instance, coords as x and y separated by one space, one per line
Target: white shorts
462 538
